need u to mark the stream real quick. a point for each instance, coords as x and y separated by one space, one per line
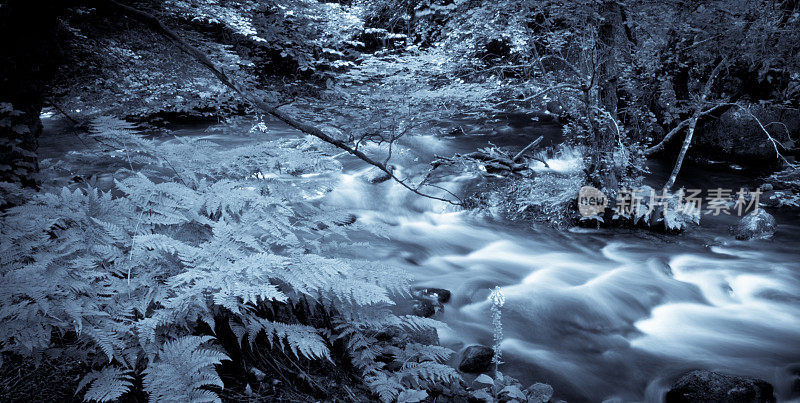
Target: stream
598 314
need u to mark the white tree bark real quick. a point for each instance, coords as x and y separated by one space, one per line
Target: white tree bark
692 124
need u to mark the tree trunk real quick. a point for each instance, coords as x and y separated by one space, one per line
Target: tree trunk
26 64
608 33
602 171
693 123
682 154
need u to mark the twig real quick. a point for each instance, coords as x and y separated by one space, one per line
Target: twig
71 119
58 108
546 165
747 111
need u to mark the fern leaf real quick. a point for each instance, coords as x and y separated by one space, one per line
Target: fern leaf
107 384
182 370
303 340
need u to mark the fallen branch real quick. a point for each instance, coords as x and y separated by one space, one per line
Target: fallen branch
155 24
528 147
70 118
546 165
63 112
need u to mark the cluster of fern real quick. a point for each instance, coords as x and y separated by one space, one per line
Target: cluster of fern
188 233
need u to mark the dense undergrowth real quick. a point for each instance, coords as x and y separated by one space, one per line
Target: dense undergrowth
192 242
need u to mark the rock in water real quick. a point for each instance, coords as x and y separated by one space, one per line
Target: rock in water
375 175
758 224
425 308
539 393
555 108
439 294
476 359
709 386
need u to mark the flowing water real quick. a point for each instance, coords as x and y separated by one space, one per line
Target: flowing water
598 314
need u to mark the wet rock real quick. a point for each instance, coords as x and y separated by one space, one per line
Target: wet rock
794 371
766 187
539 393
476 359
456 132
709 386
555 108
439 294
756 225
660 265
425 307
375 175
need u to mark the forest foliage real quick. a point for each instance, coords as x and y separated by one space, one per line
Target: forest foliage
158 251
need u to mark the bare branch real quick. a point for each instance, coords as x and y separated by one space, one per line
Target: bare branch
775 143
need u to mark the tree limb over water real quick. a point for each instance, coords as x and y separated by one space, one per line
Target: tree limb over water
155 24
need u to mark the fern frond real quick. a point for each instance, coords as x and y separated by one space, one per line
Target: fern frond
303 340
429 372
387 388
107 339
425 352
182 370
107 384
